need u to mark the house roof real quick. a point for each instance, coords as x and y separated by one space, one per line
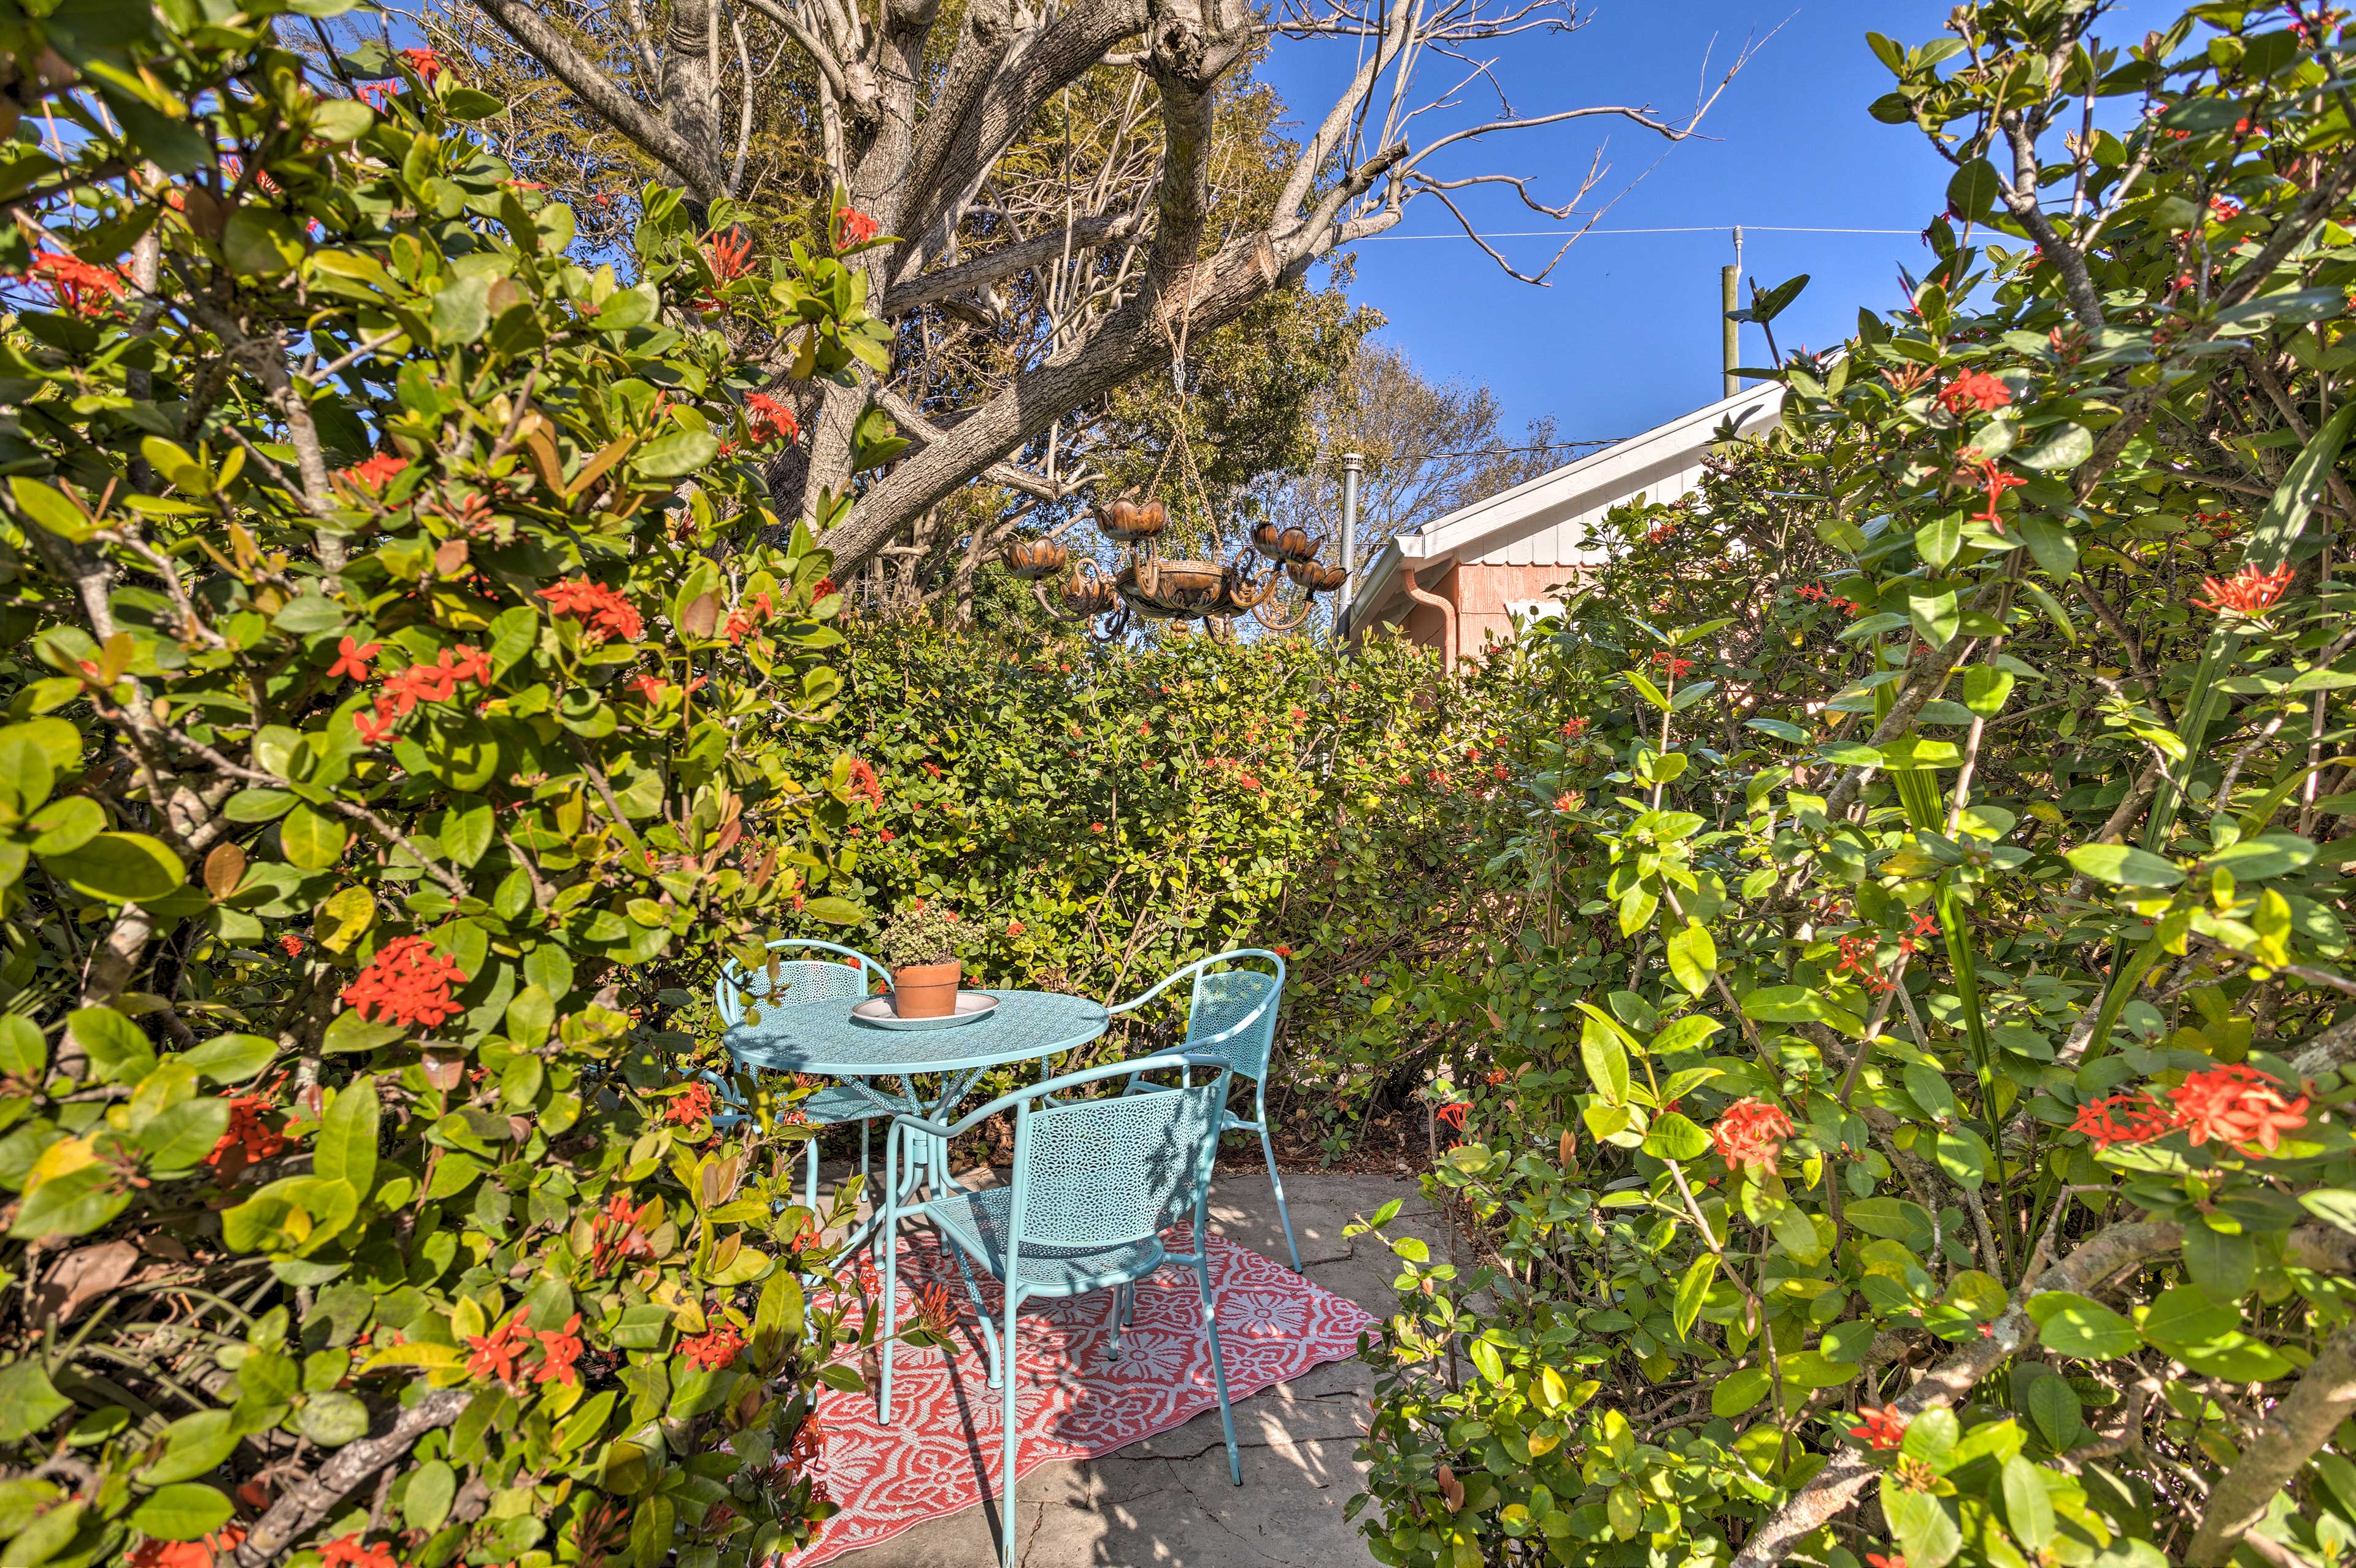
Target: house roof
1659 461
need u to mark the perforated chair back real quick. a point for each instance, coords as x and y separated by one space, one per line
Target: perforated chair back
1234 1018
796 982
1105 1173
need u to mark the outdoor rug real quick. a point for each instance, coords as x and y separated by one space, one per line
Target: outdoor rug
940 1453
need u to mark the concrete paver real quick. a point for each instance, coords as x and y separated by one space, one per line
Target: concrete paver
1168 1499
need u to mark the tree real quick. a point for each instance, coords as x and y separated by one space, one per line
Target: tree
920 109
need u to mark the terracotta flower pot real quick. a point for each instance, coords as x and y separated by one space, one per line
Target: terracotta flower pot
926 990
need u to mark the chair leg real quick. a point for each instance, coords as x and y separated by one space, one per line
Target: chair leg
1282 1213
1119 1316
889 1323
810 1173
1219 1361
1008 1442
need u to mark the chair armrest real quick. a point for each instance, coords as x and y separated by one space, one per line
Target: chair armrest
1160 986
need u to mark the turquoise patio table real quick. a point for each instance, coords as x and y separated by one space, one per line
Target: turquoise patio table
824 1040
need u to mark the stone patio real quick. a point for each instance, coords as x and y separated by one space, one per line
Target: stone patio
1168 1499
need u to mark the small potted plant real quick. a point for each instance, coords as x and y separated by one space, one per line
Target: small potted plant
919 944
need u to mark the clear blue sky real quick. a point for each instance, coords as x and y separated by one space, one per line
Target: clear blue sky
1625 334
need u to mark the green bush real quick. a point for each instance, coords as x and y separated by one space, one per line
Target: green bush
393 667
1910 1123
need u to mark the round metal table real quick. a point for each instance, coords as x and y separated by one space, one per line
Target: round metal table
823 1039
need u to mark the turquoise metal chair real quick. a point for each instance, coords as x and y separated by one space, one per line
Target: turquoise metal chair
1096 1183
833 983
1232 1016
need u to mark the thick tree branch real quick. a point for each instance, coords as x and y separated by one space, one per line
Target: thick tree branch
931 288
314 1497
605 98
2288 1437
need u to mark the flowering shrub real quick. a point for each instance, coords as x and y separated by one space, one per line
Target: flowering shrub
1928 1143
371 747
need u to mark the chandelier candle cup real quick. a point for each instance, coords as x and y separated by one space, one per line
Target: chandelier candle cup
1128 521
1031 559
919 945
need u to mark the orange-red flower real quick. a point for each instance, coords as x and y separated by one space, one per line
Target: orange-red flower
755 609
1572 729
376 472
82 287
937 1310
1996 483
1751 1134
692 1106
560 1348
730 256
863 782
2236 1105
498 1353
2248 592
424 63
1882 1428
768 419
713 1349
1974 390
856 227
247 1138
406 983
603 612
352 659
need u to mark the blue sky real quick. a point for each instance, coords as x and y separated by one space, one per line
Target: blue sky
1626 333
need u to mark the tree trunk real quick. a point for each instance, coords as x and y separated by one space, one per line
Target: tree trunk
692 80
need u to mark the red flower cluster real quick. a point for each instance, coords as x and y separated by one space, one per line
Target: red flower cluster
691 1106
615 1234
768 419
757 608
435 682
249 1138
1751 1134
1671 663
1566 801
937 1310
730 256
82 287
424 63
603 612
559 1350
863 782
498 1353
2237 1106
714 1349
650 687
2223 209
1975 390
376 472
1572 729
291 944
1875 1560
1882 1428
351 1551
1857 956
187 1554
406 983
1996 483
1660 531
857 227
2248 592
1824 596
1451 1115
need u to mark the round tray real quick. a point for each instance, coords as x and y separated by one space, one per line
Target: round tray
972 1006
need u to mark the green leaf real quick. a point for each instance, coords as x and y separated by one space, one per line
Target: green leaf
2184 1316
2223 1265
231 1058
833 910
2027 1510
260 242
2062 447
341 119
184 1511
2123 865
1986 688
313 840
123 867
119 1051
2285 516
1739 1391
1974 190
346 1146
677 454
1485 1356
1927 1535
193 1445
1894 1219
74 1204
28 1401
332 1419
1963 1154
1692 957
1692 1290
1606 1061
467 104
1935 616
1675 1137
23 1051
2051 542
2056 1409
177 1138
1778 728
49 508
461 311
2071 1325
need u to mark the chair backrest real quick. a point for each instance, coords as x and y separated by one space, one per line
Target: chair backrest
1233 1015
794 982
1102 1173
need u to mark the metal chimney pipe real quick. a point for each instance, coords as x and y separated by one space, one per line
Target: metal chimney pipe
1731 332
1353 464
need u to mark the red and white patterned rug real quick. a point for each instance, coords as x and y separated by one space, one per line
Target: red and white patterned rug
940 1453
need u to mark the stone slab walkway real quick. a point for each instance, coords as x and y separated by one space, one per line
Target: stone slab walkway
1168 1500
